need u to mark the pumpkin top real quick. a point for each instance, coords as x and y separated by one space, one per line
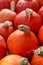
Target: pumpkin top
29 13
24 28
39 51
8 23
24 61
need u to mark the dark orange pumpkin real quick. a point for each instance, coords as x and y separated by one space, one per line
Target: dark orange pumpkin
6 29
38 57
22 42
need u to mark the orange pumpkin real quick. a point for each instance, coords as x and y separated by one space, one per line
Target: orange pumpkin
2 47
38 57
30 18
6 29
7 14
22 41
14 60
40 35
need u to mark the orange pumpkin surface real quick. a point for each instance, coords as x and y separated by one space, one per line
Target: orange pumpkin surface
30 18
14 60
38 57
2 47
22 42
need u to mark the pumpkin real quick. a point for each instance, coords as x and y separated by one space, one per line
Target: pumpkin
23 4
30 18
41 13
38 57
3 47
40 35
6 14
6 29
14 60
22 41
5 4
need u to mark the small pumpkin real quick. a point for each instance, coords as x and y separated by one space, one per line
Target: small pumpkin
30 18
6 14
14 60
40 35
22 41
41 13
3 47
38 57
23 4
6 29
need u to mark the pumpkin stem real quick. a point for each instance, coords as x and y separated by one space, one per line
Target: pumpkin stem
29 13
8 23
13 6
24 28
24 61
39 51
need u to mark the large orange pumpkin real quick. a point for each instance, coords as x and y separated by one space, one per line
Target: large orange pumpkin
14 60
29 18
38 57
6 29
2 47
22 42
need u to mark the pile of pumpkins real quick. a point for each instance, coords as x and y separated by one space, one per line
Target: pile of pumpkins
21 32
